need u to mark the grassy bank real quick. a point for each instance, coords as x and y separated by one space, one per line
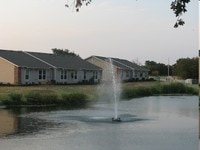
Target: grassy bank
159 89
36 99
70 96
79 95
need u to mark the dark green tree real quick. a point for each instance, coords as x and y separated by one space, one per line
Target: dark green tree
158 68
178 7
57 51
186 68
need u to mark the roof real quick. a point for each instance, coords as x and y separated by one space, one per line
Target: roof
65 61
21 59
122 63
115 63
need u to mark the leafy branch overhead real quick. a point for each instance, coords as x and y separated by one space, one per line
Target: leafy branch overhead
178 7
79 3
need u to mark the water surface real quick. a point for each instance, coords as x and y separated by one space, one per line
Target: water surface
151 123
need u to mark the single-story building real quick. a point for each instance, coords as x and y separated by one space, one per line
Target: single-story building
19 67
124 69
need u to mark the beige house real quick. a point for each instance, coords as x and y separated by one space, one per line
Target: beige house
124 69
18 67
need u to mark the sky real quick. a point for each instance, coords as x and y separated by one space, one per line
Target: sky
136 30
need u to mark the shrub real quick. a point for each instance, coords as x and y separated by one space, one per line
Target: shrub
137 92
178 88
36 98
14 99
173 88
74 100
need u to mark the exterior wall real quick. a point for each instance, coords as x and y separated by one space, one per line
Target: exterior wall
34 76
105 67
17 74
73 76
77 76
127 75
140 74
7 72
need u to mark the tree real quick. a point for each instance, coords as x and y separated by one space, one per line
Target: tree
178 7
79 3
186 68
157 68
57 51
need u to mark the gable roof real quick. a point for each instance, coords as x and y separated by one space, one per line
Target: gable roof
65 61
115 63
21 59
122 63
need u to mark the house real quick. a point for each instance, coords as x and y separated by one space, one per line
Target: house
19 67
124 69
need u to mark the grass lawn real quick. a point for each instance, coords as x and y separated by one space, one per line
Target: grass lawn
89 90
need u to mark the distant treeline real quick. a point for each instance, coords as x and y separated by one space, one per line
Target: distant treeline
184 68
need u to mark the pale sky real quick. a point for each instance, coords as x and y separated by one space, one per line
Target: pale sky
129 29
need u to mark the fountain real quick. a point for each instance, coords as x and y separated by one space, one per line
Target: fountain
115 85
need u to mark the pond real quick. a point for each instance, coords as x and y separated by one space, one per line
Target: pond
150 123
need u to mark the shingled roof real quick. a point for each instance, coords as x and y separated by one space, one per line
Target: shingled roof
122 63
65 61
21 59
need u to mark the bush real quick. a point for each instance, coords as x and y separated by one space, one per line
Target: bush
74 100
14 99
177 88
138 92
173 88
36 98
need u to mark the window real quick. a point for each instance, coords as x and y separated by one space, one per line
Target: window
42 74
72 75
127 74
27 74
84 75
75 75
63 74
96 74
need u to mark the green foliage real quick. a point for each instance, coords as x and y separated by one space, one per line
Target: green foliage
14 99
57 51
179 7
74 100
173 88
138 92
36 98
157 69
186 68
79 3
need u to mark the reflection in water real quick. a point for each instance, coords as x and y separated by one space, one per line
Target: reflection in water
11 122
8 122
152 123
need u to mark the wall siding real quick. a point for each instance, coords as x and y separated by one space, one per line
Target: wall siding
7 72
34 76
105 67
